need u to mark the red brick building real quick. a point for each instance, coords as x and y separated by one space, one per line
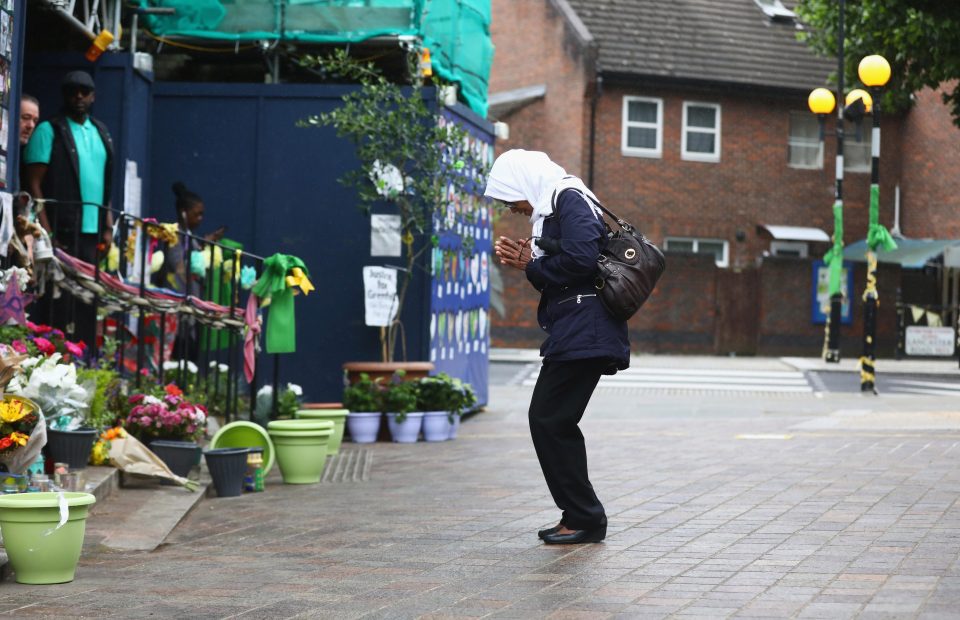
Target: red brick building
690 120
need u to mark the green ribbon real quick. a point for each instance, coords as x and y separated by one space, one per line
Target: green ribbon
281 325
877 235
834 256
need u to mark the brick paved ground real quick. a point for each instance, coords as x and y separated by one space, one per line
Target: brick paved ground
718 507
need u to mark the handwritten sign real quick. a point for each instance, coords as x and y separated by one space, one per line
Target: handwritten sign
379 295
929 340
384 235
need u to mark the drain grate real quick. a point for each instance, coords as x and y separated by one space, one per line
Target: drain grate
348 466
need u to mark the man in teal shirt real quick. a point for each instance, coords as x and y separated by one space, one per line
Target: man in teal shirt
69 162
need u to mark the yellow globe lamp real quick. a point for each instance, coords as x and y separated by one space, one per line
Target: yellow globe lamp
874 71
859 93
821 101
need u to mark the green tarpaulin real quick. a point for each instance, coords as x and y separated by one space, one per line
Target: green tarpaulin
457 32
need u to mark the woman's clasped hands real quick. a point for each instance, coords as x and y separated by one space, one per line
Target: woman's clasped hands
512 253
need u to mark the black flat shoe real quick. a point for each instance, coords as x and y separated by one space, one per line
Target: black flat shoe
577 536
549 530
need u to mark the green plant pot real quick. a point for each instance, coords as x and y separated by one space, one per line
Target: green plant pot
337 416
243 434
301 454
300 425
39 557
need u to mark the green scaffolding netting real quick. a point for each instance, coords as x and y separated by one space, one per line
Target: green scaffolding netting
456 31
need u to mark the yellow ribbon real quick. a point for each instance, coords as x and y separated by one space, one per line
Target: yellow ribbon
298 278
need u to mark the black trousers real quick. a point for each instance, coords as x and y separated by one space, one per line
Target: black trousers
559 400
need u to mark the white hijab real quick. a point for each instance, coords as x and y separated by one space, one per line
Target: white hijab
531 175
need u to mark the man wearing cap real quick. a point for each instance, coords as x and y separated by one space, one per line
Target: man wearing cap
69 159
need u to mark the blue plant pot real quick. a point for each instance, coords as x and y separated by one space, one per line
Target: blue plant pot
180 456
71 447
227 467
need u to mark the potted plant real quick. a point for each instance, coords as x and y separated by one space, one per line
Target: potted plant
399 402
170 425
362 399
437 397
410 157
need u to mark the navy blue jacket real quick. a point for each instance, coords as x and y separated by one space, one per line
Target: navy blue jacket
577 324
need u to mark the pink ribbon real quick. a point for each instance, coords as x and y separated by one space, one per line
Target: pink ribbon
251 318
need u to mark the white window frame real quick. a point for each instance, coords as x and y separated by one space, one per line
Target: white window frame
791 142
865 145
802 247
694 156
724 260
636 151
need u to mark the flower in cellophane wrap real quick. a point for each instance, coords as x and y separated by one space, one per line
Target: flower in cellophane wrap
53 386
22 432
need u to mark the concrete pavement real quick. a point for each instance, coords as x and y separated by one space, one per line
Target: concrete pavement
829 506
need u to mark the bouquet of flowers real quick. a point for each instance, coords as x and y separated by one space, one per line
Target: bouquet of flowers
55 388
171 416
22 433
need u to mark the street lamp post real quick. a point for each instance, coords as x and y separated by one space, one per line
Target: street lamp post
874 72
821 102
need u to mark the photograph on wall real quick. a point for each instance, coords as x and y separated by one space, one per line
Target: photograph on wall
4 82
8 21
4 128
5 33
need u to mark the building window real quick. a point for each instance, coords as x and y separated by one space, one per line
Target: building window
804 148
794 249
857 156
701 131
642 127
718 248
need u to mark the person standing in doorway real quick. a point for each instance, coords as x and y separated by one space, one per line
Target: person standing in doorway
69 160
29 117
583 341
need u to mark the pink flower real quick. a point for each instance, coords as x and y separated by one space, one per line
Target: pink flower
18 346
39 329
45 346
73 348
136 398
56 333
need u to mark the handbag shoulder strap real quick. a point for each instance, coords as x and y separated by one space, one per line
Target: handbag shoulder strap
620 222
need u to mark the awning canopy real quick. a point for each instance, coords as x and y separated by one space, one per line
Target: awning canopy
910 253
796 233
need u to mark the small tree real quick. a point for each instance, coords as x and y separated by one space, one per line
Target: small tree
410 156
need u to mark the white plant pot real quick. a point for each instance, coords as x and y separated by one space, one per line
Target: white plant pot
454 427
407 431
363 426
436 426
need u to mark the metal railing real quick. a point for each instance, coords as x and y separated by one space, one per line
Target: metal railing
216 317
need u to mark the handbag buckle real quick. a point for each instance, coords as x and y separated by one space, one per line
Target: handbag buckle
629 253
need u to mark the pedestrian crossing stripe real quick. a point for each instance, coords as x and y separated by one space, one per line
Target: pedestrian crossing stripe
682 379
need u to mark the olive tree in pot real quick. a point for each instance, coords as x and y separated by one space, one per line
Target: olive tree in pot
410 157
